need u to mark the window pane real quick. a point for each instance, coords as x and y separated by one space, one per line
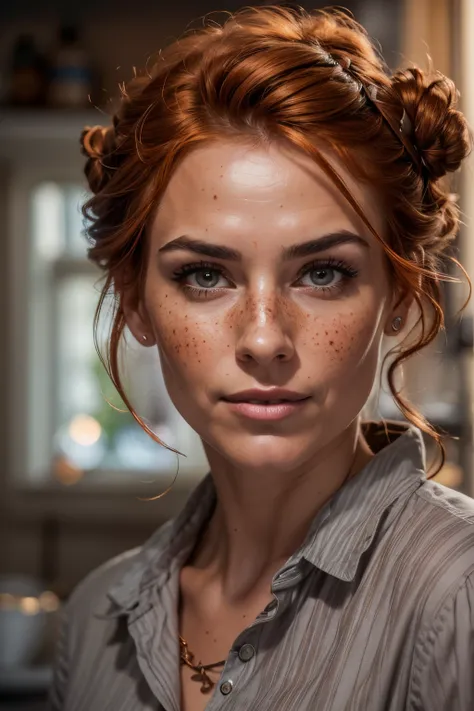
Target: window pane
48 222
58 224
92 428
78 422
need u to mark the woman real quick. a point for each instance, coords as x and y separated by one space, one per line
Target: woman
270 215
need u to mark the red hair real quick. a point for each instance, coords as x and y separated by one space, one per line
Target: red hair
309 79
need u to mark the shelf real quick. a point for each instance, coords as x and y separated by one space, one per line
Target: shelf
47 124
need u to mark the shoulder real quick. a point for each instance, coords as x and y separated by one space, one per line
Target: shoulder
446 517
91 592
426 549
450 504
432 545
86 620
81 631
109 590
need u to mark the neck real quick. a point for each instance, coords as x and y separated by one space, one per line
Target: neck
262 517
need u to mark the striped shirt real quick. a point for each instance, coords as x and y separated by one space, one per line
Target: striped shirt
374 612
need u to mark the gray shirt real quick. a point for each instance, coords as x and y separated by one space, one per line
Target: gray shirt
375 611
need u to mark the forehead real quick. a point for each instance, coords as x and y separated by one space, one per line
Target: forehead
233 186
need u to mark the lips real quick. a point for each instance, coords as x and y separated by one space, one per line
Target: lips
266 405
273 396
264 402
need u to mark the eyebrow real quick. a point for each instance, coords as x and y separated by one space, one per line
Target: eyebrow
295 251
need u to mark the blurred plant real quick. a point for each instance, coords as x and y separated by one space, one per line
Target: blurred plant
112 414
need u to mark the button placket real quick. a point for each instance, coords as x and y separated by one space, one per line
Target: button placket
236 665
231 673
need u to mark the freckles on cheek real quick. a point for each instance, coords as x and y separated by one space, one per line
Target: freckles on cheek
334 337
183 342
342 338
350 337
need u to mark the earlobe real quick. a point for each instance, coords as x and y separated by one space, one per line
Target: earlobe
394 325
397 324
146 340
398 316
138 322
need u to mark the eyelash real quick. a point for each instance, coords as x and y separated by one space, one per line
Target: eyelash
186 270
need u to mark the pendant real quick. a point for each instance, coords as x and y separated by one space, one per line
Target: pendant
206 684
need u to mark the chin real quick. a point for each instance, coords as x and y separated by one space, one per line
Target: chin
256 453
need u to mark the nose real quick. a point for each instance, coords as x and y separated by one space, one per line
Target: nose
264 333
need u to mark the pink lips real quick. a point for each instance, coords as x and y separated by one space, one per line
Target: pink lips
271 404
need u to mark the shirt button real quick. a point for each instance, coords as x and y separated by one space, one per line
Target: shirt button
226 687
246 652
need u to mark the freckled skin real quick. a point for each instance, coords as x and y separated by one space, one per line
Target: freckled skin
261 328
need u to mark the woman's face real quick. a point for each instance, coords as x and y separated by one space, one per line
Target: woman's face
262 277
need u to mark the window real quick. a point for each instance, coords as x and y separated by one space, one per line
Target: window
78 427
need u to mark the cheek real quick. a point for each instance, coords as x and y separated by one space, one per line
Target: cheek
185 344
346 340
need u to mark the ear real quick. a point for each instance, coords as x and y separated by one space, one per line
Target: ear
397 316
136 318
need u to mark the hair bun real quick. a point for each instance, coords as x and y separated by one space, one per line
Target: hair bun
97 142
441 133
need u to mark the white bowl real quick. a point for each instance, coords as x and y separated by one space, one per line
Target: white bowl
21 629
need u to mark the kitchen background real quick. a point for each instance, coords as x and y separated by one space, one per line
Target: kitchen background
74 470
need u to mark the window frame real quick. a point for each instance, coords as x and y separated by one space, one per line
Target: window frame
35 147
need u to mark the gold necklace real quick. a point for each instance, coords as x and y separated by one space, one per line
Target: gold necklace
200 670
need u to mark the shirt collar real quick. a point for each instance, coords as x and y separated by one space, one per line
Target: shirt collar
339 534
343 530
167 549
